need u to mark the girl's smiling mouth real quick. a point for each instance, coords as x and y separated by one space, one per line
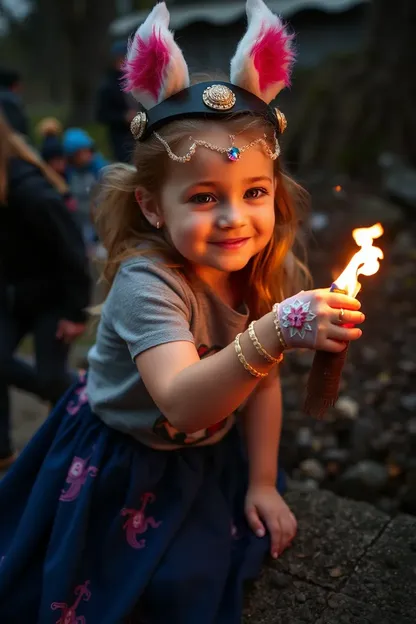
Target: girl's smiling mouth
230 243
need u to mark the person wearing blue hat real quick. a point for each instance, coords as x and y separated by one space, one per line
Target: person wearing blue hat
84 165
114 108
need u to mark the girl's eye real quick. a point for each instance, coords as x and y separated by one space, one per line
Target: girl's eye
255 193
202 198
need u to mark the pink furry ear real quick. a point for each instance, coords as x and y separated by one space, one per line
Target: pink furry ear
155 67
265 55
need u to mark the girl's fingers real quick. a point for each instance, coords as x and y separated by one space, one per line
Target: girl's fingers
275 531
254 522
287 532
335 300
333 346
343 334
346 317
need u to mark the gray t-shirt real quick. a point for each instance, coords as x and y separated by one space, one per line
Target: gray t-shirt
148 305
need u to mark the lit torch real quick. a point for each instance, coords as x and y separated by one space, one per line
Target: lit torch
325 375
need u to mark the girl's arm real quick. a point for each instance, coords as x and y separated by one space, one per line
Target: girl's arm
262 423
194 394
264 507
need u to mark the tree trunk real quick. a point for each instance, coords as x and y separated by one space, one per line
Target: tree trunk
51 59
357 107
86 25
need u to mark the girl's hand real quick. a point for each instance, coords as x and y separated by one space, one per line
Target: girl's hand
264 504
319 319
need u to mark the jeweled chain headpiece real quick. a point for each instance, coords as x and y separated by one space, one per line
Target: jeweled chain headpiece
233 153
156 74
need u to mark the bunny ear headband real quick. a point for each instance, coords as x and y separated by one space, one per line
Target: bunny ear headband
156 74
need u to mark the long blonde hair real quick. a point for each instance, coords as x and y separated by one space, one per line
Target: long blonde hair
13 145
273 273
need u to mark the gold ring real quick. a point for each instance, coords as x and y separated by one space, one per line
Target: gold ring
341 315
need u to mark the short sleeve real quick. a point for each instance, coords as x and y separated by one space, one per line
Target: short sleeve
148 306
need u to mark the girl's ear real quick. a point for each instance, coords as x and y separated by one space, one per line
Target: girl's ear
264 56
154 68
149 206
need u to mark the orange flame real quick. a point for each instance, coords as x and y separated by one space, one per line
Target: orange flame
364 262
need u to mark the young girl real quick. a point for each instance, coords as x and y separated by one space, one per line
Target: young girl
149 495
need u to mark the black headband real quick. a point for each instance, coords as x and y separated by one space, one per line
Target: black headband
206 100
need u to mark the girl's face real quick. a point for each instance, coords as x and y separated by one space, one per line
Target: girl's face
219 213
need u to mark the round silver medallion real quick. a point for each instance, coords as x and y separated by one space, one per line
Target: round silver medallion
138 125
219 97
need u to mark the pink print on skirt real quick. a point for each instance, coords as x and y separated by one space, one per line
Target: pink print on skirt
69 613
137 522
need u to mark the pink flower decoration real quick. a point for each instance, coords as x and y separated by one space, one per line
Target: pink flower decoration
296 317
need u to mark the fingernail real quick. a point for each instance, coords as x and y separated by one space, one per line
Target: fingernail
260 532
362 317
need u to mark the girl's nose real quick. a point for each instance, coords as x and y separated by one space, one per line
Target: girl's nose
230 218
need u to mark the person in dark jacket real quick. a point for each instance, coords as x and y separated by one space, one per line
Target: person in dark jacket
11 104
44 280
114 110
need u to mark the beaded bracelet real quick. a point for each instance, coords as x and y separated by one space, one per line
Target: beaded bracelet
259 347
240 355
277 326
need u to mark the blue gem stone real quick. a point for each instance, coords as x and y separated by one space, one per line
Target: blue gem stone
233 153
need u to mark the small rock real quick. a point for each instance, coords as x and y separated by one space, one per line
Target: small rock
347 407
316 444
279 580
383 441
308 485
304 437
364 480
300 597
409 402
335 573
313 469
411 426
329 441
361 438
336 455
369 354
407 366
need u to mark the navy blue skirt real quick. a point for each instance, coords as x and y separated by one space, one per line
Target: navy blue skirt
97 528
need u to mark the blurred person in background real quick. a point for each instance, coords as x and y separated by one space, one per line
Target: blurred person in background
50 132
84 164
11 102
44 278
115 110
